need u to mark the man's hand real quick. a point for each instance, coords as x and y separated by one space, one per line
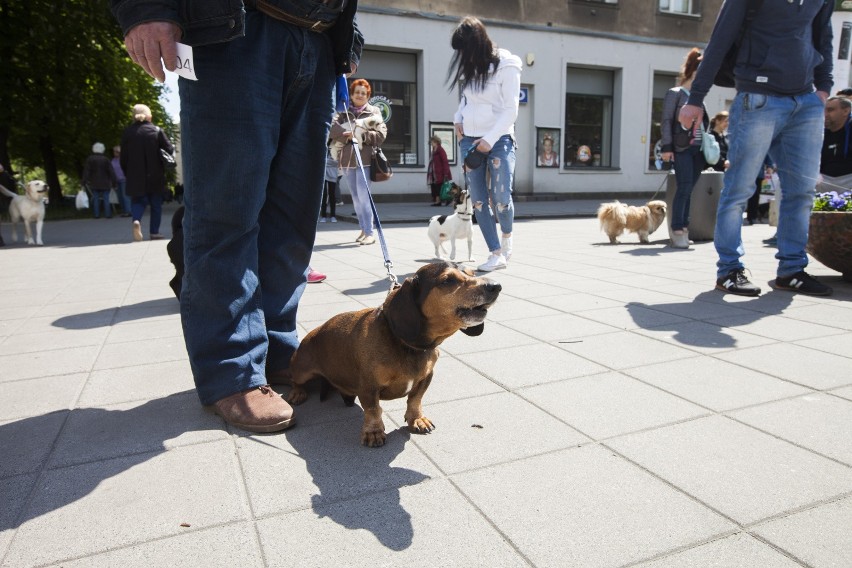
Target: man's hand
148 43
689 115
482 146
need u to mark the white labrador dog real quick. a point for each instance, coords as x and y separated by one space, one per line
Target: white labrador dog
27 209
459 225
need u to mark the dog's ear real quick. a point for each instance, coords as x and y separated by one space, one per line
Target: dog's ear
474 331
402 311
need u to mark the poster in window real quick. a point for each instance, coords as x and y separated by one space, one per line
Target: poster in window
547 148
447 133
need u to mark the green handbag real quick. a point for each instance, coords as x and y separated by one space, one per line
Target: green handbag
446 190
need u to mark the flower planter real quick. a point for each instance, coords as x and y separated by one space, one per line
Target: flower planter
830 240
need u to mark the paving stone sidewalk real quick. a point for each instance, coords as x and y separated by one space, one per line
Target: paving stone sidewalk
617 412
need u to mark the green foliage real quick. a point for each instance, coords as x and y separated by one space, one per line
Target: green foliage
67 83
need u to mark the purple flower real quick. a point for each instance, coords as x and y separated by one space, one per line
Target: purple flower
837 203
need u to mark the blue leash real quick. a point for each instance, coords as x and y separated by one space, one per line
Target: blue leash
342 105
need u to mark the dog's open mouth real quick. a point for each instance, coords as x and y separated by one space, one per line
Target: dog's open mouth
474 314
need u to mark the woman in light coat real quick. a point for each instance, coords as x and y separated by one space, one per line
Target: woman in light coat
364 123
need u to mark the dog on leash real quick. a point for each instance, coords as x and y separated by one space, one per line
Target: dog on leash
27 209
390 352
616 217
459 225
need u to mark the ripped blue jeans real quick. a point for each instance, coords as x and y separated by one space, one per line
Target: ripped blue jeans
498 189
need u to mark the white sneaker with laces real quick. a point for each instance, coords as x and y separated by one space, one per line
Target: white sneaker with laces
494 262
323 219
334 219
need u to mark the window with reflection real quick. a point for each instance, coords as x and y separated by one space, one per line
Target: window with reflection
393 77
588 118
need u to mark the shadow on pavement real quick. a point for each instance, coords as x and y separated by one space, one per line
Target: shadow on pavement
356 487
342 469
101 442
710 334
111 316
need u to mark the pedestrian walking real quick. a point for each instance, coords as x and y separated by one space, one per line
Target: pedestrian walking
783 76
146 175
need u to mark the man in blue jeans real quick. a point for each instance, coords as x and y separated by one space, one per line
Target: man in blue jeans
783 77
254 127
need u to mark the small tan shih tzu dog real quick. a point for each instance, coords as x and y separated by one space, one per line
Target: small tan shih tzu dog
615 217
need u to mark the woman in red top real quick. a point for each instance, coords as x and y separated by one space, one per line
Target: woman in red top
438 172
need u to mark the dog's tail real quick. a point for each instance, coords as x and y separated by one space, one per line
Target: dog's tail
6 192
615 211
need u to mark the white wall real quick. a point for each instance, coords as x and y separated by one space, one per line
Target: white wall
635 61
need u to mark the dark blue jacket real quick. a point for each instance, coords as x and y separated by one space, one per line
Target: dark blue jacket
205 22
778 56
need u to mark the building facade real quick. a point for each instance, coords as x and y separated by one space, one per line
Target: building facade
595 73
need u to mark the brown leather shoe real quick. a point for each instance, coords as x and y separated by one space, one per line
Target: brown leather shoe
259 409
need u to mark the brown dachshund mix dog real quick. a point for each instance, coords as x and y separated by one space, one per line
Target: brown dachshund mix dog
390 352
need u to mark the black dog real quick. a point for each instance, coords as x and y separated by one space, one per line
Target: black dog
175 250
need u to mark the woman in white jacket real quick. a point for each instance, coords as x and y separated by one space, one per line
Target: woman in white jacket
490 83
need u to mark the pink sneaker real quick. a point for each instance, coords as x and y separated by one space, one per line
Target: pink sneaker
315 277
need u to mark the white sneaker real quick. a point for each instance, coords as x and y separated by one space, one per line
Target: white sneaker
680 240
506 247
494 262
334 219
137 231
323 220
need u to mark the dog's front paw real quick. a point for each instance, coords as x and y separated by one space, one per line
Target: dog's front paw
373 438
421 425
297 395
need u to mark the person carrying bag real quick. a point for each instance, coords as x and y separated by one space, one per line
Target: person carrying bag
438 174
361 122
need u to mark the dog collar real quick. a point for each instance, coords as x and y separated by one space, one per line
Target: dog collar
405 343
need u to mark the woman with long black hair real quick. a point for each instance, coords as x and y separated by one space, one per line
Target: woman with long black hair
489 80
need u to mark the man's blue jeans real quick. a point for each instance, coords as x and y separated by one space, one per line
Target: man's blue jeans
254 128
790 130
501 165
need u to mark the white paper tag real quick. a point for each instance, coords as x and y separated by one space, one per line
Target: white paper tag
185 66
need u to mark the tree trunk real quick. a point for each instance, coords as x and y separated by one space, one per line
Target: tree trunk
50 171
4 148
